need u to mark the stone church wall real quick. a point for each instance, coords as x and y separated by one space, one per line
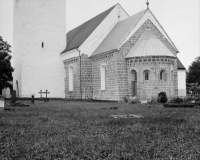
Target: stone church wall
122 76
153 86
86 78
112 91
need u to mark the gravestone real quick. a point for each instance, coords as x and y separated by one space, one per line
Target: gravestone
2 102
143 98
13 98
32 99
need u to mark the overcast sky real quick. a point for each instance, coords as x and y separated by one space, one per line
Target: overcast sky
179 18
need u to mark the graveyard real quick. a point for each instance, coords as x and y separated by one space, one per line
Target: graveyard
61 129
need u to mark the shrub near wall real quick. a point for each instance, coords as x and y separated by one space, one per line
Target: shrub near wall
186 102
179 105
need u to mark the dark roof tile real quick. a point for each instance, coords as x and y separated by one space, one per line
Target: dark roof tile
78 35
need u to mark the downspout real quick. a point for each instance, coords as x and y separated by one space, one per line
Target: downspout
79 51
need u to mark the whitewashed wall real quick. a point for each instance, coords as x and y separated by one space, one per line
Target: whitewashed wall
37 68
181 82
100 33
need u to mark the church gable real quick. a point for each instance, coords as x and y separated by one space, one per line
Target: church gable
149 16
147 25
119 33
101 32
88 36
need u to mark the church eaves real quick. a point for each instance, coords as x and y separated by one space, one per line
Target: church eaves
180 66
78 35
149 45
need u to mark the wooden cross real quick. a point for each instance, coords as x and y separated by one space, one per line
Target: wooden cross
46 93
147 4
41 93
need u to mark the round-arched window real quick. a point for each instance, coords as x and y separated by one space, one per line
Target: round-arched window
71 79
162 74
103 77
146 75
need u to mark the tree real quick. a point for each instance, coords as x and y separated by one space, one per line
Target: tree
5 66
193 77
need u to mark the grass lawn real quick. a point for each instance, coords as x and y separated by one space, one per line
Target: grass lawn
84 130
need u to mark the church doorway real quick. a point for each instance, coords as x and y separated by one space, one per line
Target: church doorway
133 83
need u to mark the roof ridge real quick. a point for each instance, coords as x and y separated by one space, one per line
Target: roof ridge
137 16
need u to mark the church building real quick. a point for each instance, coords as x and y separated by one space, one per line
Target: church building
110 56
114 55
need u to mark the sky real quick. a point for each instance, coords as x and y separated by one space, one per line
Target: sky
179 18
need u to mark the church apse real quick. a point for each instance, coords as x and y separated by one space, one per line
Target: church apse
151 56
149 79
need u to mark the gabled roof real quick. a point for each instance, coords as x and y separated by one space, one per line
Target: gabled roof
149 45
78 35
118 34
180 65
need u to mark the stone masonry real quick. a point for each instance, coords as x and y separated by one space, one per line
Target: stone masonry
86 78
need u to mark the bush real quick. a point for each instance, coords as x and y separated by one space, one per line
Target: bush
177 100
162 97
126 98
182 105
197 99
188 99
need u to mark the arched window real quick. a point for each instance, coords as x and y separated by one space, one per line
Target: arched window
133 83
146 75
103 77
71 79
134 75
172 75
163 75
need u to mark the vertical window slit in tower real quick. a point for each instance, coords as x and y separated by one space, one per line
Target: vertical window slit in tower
42 44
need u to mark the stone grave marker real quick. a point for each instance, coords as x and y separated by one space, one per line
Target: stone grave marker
2 102
13 98
144 98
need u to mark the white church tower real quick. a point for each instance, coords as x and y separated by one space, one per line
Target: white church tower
39 38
